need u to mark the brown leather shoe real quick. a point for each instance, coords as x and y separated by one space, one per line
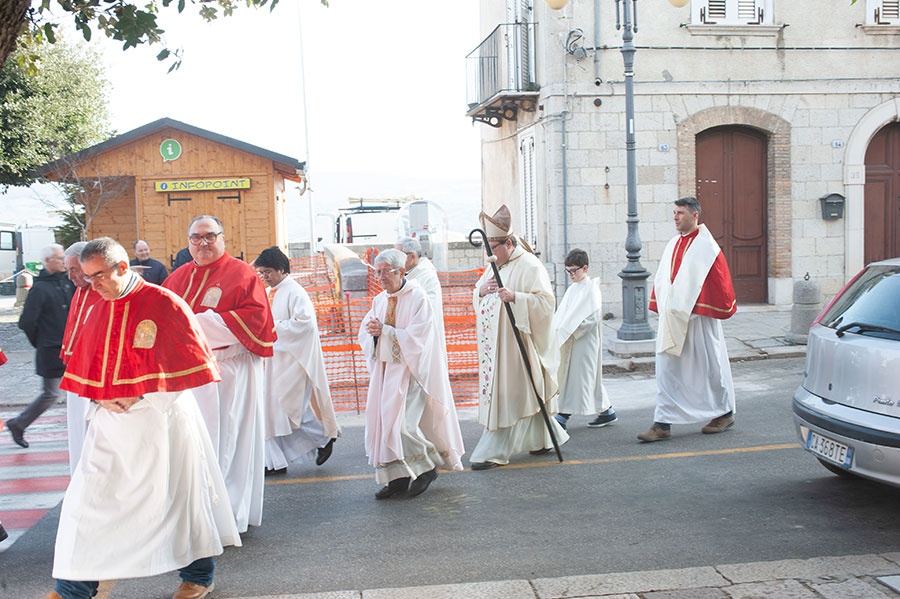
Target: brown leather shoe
189 590
52 595
655 433
718 425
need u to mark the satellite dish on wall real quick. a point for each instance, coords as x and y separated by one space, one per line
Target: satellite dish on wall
557 4
679 3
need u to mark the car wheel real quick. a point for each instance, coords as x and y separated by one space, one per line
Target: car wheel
835 469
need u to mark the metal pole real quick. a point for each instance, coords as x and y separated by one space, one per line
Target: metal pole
634 276
312 208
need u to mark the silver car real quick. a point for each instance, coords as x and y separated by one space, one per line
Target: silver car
847 410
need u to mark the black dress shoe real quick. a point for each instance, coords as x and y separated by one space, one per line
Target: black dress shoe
17 434
3 534
543 451
276 471
484 465
394 488
418 486
323 453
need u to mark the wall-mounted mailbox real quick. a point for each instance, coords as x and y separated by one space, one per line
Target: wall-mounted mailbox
832 206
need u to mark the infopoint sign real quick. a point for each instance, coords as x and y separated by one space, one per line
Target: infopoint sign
203 185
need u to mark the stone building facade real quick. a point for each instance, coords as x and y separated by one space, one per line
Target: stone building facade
759 108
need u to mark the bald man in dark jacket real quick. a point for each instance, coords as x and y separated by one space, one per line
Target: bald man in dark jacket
43 320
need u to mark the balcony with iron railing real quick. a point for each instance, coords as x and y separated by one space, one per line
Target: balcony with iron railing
500 75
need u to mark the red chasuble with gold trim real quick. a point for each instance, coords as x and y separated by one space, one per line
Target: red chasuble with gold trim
233 290
716 298
81 308
145 342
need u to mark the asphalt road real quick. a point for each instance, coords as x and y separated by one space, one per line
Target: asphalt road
614 505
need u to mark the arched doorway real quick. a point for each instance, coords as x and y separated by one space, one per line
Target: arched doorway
882 195
731 187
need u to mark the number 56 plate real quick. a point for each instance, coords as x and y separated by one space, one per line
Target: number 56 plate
830 449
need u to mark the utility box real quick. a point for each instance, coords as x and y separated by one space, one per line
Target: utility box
832 206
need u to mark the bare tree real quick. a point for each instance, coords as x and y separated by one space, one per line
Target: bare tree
85 188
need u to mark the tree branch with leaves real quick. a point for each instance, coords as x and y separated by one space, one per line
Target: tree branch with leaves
131 23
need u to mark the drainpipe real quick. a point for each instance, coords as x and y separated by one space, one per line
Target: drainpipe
597 79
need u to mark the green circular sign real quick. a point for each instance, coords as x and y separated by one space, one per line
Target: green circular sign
170 149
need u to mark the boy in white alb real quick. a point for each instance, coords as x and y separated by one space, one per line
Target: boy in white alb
578 322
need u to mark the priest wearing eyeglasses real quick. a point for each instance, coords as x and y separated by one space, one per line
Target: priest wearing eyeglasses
146 496
230 302
411 424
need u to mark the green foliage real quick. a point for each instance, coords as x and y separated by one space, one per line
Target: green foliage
52 103
131 23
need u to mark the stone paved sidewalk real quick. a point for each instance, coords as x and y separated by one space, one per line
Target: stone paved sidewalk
846 577
753 333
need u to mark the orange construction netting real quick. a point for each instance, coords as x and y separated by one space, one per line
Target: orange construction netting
339 319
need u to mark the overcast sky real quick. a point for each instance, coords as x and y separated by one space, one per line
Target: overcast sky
385 91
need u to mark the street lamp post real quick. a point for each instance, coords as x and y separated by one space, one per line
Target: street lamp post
635 326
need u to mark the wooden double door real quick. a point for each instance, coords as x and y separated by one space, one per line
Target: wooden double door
173 213
882 195
731 188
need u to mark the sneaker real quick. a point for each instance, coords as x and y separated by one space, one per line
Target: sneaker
603 419
562 420
656 433
718 425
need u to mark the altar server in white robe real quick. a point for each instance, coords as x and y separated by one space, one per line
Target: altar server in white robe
147 496
79 311
508 408
420 268
411 424
692 293
579 322
299 415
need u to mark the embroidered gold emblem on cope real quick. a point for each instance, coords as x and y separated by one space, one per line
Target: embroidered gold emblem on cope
211 297
145 334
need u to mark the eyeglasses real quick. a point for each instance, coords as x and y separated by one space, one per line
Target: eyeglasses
101 275
383 273
572 271
209 238
496 245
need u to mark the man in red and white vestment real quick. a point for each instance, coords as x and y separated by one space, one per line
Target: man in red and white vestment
692 294
230 302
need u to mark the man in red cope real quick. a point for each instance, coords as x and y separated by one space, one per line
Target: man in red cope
147 496
692 294
231 304
82 306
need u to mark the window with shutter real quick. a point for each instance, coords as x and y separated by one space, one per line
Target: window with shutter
732 12
883 12
527 193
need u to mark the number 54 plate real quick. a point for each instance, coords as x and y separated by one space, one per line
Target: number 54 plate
830 449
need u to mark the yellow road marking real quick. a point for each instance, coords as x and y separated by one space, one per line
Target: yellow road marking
659 456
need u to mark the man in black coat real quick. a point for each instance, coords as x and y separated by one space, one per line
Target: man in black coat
43 319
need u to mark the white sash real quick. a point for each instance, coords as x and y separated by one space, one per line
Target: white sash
675 300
